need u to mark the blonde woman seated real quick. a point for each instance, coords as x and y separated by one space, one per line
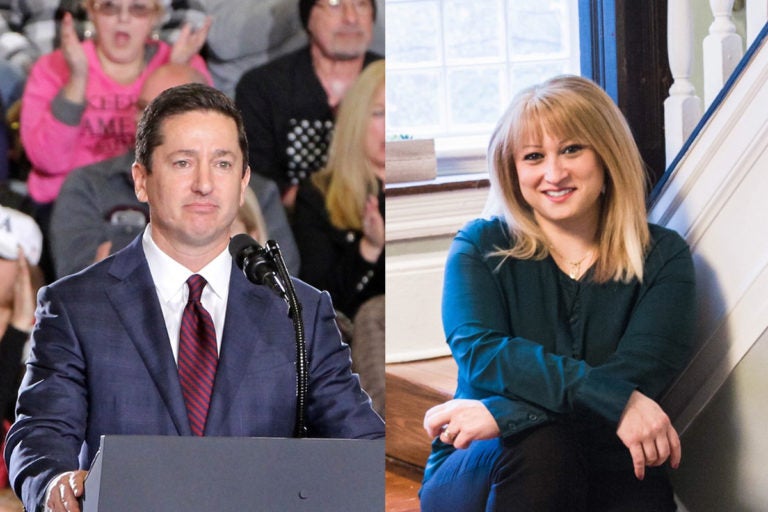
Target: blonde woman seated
568 317
339 225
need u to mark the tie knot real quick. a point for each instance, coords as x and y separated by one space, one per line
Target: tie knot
196 283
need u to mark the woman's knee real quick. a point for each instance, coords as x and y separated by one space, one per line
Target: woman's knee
540 470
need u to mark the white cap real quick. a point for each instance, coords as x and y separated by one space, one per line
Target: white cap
17 228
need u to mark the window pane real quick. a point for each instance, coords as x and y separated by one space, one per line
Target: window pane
538 27
530 73
413 103
414 34
474 97
473 29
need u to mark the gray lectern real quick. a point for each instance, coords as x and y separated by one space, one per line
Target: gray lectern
223 474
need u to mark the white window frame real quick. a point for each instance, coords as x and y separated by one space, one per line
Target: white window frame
465 153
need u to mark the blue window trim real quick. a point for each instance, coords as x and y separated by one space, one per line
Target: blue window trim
597 44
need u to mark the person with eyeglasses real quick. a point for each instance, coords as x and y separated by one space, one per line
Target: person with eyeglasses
78 104
289 105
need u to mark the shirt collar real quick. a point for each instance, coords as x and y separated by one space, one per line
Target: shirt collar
170 276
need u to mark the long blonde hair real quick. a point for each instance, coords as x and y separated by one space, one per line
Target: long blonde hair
572 107
251 216
348 178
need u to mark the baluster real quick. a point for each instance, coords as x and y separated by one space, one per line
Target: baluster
682 109
757 15
723 49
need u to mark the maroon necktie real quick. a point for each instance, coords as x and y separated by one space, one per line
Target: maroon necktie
197 356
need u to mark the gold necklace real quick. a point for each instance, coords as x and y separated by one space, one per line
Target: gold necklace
575 266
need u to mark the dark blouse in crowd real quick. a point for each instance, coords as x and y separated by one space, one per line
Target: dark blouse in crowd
536 346
11 349
330 257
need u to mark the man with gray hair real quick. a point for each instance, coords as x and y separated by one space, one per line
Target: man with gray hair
288 105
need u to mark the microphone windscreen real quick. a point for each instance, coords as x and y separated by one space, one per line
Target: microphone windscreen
240 242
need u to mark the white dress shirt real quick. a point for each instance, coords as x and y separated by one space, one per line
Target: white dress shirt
170 278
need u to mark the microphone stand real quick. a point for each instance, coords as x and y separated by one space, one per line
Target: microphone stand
294 312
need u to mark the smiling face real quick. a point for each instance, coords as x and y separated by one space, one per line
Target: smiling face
123 27
196 183
561 180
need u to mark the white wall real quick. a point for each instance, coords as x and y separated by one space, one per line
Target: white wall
715 199
420 229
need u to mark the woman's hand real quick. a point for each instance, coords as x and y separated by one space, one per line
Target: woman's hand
190 41
289 198
23 314
372 242
646 430
74 55
461 421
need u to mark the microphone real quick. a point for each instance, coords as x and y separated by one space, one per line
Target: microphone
266 266
256 263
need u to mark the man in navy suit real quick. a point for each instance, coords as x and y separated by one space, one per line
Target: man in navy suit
105 347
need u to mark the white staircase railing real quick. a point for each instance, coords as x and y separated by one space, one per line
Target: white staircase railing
682 109
713 195
722 50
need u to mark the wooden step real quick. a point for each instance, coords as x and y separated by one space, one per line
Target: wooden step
412 388
403 482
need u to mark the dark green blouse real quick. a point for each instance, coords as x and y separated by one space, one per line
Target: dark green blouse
537 346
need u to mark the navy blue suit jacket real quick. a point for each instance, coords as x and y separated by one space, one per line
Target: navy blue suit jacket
101 363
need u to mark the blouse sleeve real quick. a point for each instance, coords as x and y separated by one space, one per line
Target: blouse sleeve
493 361
50 125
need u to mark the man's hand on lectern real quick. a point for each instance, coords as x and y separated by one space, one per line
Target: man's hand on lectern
64 492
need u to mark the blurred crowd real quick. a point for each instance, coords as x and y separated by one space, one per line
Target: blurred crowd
308 78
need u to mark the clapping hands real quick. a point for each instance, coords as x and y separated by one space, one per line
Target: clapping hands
190 41
372 242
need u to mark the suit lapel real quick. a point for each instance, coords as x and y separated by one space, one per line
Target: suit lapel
249 312
135 300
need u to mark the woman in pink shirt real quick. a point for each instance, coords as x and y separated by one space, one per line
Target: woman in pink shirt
79 104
